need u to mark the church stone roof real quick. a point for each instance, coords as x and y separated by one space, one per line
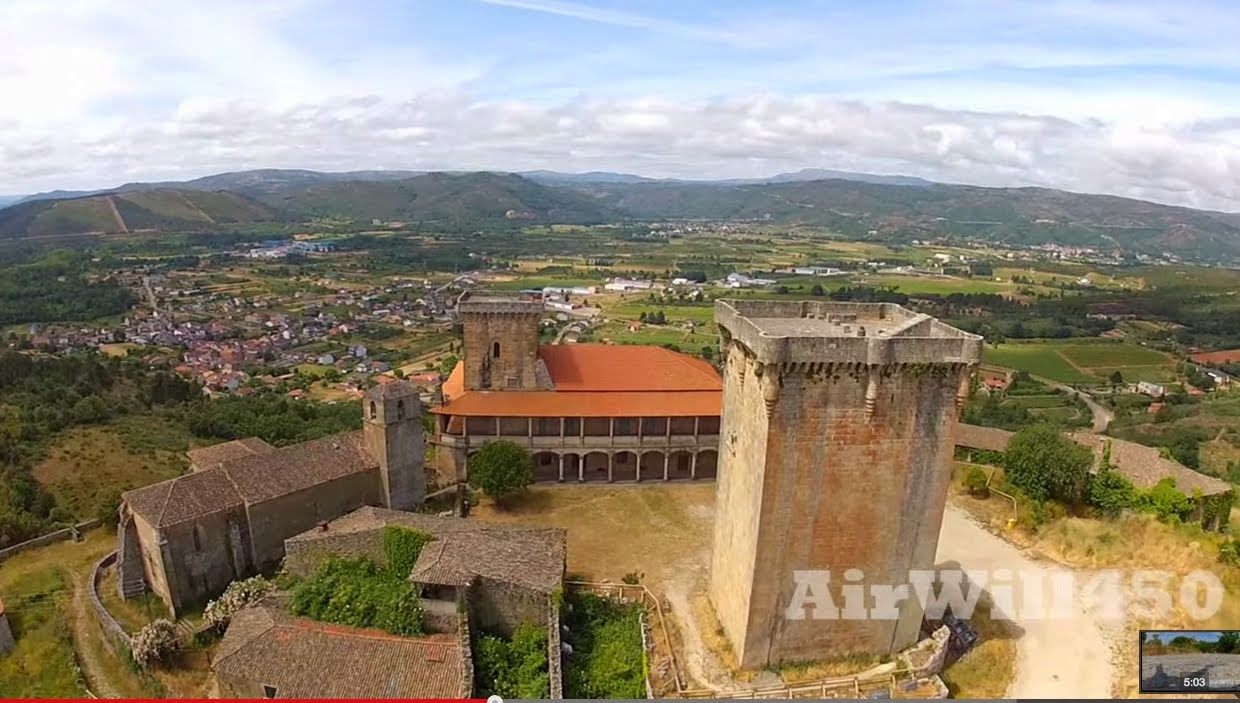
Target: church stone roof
251 479
302 658
216 454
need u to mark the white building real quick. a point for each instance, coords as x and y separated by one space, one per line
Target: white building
625 285
1153 390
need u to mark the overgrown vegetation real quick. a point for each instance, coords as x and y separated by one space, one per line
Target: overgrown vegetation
607 660
237 596
56 287
155 644
360 593
513 667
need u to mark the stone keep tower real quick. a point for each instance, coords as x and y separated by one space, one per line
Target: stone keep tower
392 427
835 455
501 344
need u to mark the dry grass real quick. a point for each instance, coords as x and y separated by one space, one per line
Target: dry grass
713 637
616 530
988 669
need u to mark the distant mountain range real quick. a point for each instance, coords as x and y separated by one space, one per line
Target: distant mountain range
861 206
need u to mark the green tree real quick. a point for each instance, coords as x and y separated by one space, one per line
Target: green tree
1228 643
817 290
447 364
708 352
1044 463
1111 493
500 469
1116 378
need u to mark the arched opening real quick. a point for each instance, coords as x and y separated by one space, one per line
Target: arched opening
652 466
625 467
400 410
546 467
679 465
197 538
374 410
595 467
495 350
572 466
707 464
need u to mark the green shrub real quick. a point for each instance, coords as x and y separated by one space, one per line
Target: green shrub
975 481
500 469
632 578
607 660
358 593
1165 501
1045 463
1111 493
401 546
513 668
1229 552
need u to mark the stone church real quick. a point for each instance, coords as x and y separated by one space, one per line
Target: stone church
187 538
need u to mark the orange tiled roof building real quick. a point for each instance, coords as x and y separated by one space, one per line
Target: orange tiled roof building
587 412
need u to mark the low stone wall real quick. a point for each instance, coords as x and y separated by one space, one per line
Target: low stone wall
467 654
555 653
926 658
49 538
115 635
647 651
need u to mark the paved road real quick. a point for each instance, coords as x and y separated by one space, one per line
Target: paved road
1060 658
1102 415
1223 670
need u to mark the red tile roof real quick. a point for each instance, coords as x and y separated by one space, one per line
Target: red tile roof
598 380
605 367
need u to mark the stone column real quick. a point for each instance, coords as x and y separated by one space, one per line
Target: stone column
693 466
563 457
637 470
497 427
611 467
529 430
581 468
667 457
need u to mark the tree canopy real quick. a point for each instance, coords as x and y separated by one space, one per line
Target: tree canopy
1044 463
500 469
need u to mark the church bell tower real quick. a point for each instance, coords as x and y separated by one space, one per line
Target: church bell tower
392 427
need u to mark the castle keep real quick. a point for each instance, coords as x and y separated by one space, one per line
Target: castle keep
835 455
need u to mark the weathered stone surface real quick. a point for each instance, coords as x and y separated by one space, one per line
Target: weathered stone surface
834 455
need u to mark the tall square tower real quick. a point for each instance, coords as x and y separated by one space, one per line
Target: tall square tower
835 456
500 349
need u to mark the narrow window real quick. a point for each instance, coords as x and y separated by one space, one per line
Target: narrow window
495 350
400 410
197 538
374 410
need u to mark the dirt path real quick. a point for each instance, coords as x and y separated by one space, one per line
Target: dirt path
120 221
86 641
1055 658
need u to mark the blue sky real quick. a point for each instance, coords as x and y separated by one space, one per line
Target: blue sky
1139 98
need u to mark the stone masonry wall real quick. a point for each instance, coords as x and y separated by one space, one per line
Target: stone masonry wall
516 333
49 538
853 475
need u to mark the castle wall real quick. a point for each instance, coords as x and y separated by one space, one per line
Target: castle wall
152 559
306 555
742 450
201 569
273 521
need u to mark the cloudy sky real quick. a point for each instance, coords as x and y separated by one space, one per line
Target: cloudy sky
1137 98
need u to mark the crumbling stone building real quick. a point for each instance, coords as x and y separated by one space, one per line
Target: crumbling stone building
187 538
835 455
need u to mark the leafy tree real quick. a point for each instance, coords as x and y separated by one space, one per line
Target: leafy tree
1116 378
1166 501
817 290
1228 643
1044 463
500 469
513 668
1111 492
447 364
155 643
708 352
976 483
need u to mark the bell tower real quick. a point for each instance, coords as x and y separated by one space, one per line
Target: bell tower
392 428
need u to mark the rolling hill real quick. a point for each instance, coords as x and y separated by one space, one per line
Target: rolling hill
158 210
862 206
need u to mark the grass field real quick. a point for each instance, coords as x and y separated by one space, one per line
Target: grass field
674 313
530 282
1077 361
87 464
687 341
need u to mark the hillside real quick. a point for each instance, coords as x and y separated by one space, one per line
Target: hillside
441 197
898 212
894 208
162 210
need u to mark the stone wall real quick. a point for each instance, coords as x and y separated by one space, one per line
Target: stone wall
501 607
49 538
7 643
464 638
500 349
275 520
555 651
114 634
304 556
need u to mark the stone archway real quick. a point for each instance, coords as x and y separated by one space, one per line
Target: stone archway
680 465
546 467
572 466
707 464
595 467
624 467
652 463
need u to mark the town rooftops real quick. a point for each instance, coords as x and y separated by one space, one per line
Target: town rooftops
599 380
777 331
302 658
251 479
463 549
216 454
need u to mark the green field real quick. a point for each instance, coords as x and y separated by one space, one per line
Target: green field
687 341
1035 401
632 310
532 282
1076 361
